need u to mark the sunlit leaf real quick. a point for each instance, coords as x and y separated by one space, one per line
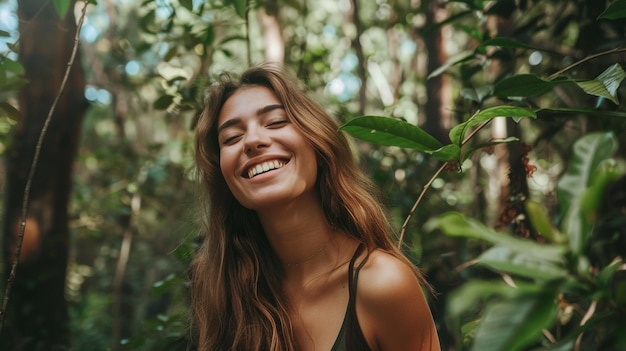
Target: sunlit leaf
457 134
522 85
606 84
616 10
391 132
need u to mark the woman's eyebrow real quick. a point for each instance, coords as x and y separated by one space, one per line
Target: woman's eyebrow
236 120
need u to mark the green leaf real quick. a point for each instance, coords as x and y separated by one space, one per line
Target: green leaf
512 325
457 134
456 59
447 153
505 43
62 6
167 284
588 152
10 111
391 132
538 216
455 224
188 4
472 294
616 10
4 34
546 112
604 277
522 85
163 102
240 7
606 172
524 263
11 66
606 84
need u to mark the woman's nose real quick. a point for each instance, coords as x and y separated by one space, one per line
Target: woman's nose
256 138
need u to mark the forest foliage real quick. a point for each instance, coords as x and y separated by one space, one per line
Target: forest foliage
511 198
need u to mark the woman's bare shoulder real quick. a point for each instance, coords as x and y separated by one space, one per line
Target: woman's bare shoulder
386 276
391 306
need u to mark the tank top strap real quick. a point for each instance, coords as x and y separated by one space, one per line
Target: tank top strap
350 335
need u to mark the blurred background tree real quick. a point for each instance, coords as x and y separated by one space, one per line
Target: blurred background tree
131 212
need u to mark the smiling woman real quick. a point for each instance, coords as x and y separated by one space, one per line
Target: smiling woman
297 253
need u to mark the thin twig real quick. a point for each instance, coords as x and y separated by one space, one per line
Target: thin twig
428 185
20 237
248 44
586 59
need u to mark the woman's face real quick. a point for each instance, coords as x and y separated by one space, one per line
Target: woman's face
265 160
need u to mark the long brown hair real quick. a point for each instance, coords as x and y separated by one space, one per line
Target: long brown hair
236 296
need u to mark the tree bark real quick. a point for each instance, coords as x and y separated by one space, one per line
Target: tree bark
439 89
37 317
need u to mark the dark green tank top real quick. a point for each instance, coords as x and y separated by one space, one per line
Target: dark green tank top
350 335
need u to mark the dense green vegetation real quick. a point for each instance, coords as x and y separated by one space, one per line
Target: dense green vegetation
496 129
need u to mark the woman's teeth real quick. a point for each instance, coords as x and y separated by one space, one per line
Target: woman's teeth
264 167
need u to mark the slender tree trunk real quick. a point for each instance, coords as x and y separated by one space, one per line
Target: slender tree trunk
37 317
272 33
439 89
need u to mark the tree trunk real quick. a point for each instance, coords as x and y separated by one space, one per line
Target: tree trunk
37 317
439 89
272 33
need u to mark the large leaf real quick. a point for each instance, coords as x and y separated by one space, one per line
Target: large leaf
588 153
457 134
605 85
513 324
391 132
522 85
524 263
457 225
616 10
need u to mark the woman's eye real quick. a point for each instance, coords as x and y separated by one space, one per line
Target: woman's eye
230 139
278 123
